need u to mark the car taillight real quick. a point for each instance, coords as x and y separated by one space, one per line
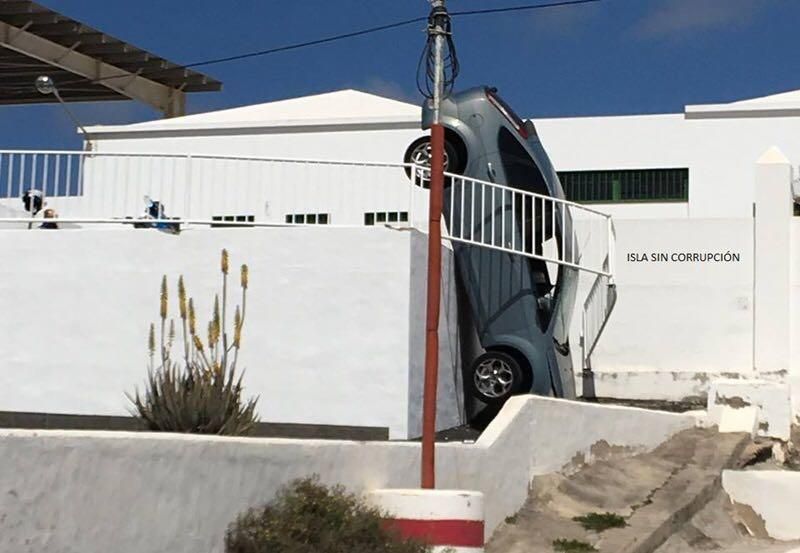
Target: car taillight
510 116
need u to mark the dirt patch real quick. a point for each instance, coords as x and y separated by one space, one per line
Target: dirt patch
691 403
734 401
751 520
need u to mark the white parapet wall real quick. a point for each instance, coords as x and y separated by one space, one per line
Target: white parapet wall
766 501
96 492
770 400
334 331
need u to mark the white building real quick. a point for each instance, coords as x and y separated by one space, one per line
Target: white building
680 186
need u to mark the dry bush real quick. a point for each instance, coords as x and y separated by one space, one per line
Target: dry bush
307 517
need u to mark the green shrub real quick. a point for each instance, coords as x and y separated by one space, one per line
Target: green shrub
202 393
307 517
600 522
572 546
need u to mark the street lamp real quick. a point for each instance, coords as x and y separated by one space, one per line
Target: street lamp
45 85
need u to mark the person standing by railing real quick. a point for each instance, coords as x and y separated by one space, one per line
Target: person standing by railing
33 200
49 216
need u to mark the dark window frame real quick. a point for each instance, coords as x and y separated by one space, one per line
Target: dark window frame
374 218
308 218
626 186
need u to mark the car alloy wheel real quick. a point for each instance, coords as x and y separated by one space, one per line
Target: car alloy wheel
422 156
495 377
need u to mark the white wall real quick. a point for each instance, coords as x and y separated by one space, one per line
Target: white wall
795 305
673 316
719 153
328 337
766 500
96 492
451 406
342 144
680 316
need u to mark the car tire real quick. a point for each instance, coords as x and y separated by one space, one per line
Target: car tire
494 377
418 152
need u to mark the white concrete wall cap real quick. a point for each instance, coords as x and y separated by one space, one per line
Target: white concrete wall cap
772 494
201 438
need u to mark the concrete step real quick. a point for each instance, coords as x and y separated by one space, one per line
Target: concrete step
655 492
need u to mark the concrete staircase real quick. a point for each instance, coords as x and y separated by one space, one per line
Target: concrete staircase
657 493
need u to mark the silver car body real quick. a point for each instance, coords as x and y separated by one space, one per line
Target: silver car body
515 305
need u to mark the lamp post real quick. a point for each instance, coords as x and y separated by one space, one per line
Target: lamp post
45 85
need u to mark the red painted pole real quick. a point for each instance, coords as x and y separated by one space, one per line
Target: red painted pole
432 310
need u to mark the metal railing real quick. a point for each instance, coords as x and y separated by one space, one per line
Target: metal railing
598 305
597 308
533 225
98 187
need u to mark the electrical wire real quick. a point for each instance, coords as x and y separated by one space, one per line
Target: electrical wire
488 11
438 19
333 38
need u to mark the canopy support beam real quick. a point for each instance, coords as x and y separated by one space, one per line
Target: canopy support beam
170 101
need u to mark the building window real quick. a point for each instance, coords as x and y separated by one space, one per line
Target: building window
636 185
225 220
308 219
383 217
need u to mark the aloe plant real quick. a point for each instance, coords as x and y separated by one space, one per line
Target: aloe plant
202 392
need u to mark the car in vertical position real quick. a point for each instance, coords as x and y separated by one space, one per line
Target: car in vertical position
521 305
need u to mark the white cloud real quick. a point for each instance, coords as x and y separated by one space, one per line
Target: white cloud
672 17
389 89
564 20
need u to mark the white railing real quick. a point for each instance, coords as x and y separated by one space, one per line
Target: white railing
599 304
96 187
99 187
597 309
502 218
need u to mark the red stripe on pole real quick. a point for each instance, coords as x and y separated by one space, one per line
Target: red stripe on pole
453 533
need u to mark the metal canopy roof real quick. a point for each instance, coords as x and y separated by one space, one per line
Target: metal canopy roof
35 40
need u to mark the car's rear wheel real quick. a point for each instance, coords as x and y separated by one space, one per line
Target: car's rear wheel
419 153
495 377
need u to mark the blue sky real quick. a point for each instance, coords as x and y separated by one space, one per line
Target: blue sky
613 57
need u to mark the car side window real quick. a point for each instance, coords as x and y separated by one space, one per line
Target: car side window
522 172
520 169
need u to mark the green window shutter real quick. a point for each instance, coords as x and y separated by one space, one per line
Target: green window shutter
628 185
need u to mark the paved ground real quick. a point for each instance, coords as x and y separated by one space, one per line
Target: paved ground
671 499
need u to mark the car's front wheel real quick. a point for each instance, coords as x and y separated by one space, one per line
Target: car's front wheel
495 377
419 153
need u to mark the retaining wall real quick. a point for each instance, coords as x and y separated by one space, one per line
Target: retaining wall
94 492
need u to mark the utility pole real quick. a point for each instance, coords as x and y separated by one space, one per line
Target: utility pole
437 29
